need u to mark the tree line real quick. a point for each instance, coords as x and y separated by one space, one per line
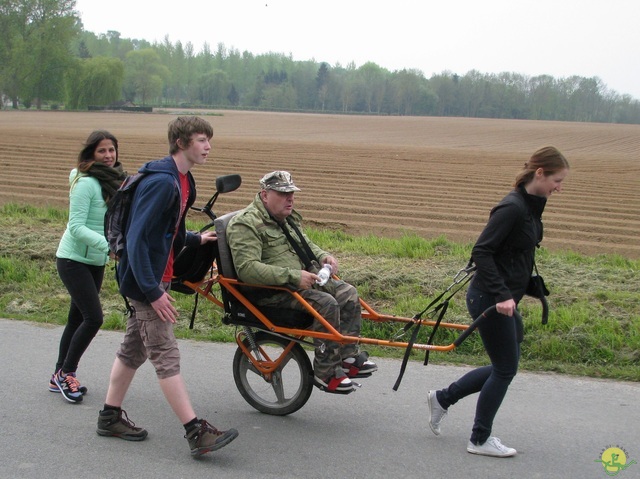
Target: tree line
48 59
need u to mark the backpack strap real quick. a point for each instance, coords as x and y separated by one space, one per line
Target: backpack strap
128 308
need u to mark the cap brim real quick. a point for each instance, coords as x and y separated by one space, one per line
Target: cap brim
284 189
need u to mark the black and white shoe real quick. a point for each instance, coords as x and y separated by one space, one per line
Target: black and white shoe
359 366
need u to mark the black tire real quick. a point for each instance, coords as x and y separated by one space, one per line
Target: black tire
289 387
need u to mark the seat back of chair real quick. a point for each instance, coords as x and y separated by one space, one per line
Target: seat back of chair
225 263
235 311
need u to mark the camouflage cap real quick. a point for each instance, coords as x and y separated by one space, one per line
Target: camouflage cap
278 181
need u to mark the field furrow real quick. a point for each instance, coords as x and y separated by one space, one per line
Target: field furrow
365 175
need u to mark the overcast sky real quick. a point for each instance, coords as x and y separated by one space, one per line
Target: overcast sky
532 37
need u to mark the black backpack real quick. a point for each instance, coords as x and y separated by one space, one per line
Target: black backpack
192 264
117 215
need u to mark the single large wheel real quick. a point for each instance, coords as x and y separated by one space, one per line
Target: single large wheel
287 388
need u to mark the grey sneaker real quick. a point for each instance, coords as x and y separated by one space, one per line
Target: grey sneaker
117 424
69 386
492 447
53 387
436 413
206 438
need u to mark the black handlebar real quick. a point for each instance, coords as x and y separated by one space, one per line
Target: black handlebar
473 326
224 184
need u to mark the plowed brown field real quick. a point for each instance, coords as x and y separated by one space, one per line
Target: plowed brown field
380 175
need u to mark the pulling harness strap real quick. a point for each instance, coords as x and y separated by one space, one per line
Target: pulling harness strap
542 297
442 307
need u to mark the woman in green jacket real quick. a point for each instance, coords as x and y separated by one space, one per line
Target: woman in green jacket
83 253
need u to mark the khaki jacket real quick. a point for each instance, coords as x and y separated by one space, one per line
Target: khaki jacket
260 250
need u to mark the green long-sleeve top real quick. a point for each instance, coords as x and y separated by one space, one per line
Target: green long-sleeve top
260 250
83 239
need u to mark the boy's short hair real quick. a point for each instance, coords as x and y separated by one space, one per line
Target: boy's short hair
183 128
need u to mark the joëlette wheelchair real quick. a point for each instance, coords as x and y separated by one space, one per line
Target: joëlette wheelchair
271 368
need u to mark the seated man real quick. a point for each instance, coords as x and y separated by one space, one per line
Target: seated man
268 248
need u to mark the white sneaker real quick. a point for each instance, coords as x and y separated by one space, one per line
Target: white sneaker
493 447
436 412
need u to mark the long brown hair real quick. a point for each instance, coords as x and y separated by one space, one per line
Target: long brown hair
85 157
548 158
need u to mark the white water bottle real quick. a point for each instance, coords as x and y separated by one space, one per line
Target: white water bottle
324 274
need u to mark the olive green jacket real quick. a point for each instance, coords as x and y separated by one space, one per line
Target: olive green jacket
260 250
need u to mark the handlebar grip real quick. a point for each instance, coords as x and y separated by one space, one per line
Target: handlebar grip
545 310
473 326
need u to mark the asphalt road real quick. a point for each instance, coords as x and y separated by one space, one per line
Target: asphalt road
560 425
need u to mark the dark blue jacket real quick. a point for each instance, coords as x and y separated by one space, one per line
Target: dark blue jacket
154 217
505 250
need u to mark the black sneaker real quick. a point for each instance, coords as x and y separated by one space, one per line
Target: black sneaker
117 424
359 366
205 438
69 386
53 387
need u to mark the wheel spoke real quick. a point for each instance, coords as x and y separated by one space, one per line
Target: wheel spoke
278 387
283 391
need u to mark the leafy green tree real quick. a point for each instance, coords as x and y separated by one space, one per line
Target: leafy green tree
542 97
279 97
511 98
179 82
322 83
233 97
95 81
406 87
373 83
214 88
11 49
144 75
32 50
587 99
349 88
36 50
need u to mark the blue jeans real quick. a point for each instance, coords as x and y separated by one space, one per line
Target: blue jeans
501 336
85 317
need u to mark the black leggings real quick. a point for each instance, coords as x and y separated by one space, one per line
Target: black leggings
83 282
501 340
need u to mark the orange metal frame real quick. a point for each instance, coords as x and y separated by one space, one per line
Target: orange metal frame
266 367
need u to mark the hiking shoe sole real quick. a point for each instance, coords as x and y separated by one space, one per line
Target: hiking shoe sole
229 436
127 437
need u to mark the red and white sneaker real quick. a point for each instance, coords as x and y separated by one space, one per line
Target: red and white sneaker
333 384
